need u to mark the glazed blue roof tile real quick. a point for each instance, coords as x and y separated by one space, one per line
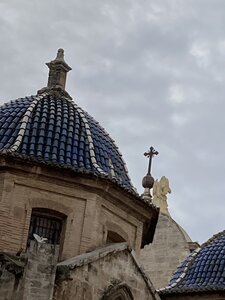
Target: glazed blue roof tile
203 270
56 131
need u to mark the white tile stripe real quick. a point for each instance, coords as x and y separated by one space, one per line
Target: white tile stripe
120 154
112 170
24 123
121 157
90 140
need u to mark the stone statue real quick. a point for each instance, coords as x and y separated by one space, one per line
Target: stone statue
160 190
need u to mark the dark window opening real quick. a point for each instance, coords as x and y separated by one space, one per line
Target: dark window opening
47 224
118 293
113 237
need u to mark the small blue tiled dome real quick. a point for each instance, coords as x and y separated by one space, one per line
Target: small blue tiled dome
203 270
50 128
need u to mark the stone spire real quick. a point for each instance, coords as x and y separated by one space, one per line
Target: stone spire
58 70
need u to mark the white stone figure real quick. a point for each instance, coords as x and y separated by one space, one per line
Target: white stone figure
160 190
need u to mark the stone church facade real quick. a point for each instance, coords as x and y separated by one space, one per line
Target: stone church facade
63 179
72 225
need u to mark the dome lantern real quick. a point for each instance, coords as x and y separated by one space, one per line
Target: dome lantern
58 70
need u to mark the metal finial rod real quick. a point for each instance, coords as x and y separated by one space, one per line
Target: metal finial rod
150 154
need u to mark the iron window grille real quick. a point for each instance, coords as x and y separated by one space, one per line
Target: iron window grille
46 223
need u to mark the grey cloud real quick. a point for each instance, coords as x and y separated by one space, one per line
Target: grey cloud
127 57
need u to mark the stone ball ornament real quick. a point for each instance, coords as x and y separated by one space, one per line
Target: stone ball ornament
148 181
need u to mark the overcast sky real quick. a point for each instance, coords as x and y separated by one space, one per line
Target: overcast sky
152 72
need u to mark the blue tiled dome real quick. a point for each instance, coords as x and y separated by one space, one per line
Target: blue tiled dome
55 131
203 270
51 128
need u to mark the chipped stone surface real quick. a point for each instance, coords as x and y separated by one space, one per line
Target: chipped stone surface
39 275
7 285
37 278
93 274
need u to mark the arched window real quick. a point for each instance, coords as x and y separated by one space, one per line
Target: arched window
120 292
114 237
46 223
115 234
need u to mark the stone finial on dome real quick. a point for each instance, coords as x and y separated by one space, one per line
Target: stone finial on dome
60 54
58 70
148 180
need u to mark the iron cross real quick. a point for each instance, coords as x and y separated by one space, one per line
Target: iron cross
150 153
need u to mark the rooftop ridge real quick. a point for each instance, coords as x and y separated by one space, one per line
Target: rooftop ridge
213 238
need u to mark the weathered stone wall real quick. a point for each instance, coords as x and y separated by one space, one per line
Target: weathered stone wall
39 275
21 194
93 279
169 248
31 277
7 285
92 208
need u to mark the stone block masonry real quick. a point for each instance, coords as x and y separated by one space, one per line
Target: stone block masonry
39 276
103 273
30 276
